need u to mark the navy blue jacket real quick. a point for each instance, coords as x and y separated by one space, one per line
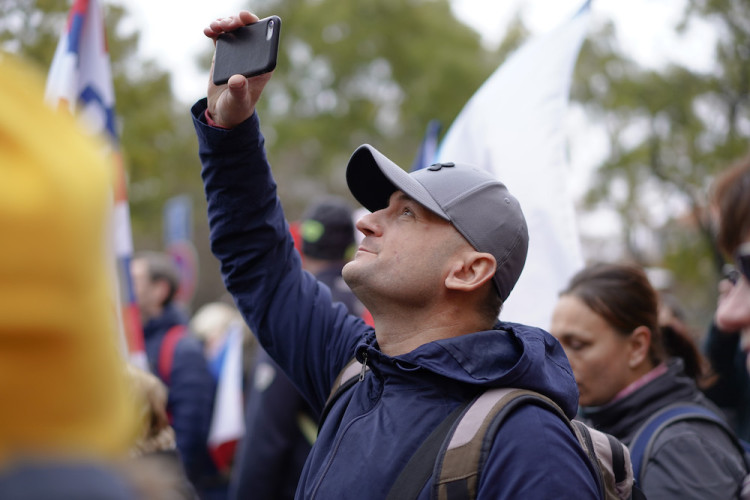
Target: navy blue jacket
191 395
374 428
63 479
272 454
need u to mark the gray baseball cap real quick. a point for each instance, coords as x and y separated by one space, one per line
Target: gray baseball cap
478 205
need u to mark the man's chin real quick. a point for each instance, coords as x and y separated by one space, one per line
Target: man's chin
353 277
349 273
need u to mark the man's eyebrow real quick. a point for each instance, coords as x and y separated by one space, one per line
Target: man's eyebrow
401 196
417 208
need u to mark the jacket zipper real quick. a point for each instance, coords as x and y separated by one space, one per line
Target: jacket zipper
364 366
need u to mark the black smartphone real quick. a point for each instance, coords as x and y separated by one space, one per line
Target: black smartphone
249 51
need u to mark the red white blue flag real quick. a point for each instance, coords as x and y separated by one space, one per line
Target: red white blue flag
228 422
80 79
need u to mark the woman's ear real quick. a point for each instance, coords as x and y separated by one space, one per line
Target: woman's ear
640 345
470 271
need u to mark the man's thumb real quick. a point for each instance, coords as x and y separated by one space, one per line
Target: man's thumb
237 87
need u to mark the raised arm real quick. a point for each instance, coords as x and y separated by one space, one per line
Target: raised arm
293 316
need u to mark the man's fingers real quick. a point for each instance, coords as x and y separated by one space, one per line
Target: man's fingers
210 33
225 24
246 17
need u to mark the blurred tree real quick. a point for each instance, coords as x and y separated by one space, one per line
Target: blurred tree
373 71
32 29
157 140
157 143
671 130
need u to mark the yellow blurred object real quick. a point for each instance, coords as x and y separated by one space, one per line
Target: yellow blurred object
62 380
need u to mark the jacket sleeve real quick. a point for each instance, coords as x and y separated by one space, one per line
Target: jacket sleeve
190 401
693 461
536 455
292 315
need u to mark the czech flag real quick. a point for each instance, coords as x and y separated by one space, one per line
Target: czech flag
228 422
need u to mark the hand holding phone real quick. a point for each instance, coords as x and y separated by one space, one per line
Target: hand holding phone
249 51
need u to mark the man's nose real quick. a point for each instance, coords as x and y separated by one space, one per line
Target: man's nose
369 223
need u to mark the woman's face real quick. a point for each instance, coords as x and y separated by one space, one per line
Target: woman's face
733 311
598 354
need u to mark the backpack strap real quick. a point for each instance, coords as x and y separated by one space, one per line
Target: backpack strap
643 442
462 457
584 435
166 351
611 460
346 378
419 468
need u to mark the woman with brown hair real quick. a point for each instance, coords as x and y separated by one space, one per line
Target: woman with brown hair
627 369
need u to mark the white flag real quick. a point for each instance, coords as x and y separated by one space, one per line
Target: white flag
514 127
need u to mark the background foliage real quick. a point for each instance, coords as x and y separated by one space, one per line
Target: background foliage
671 130
378 71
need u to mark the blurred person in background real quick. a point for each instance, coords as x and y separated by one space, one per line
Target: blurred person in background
673 323
728 341
210 325
67 414
280 425
156 470
628 369
178 360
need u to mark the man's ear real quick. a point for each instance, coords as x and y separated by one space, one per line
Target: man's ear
470 271
640 345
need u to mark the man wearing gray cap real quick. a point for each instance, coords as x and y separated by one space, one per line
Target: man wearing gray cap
442 249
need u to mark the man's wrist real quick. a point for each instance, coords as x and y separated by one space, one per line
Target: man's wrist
211 121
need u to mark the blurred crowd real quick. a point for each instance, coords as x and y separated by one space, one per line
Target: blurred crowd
78 421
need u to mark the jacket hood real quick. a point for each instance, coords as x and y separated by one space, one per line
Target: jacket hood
511 355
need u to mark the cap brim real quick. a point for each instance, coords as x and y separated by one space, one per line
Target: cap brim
372 179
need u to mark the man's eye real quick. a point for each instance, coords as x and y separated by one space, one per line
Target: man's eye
406 211
575 345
